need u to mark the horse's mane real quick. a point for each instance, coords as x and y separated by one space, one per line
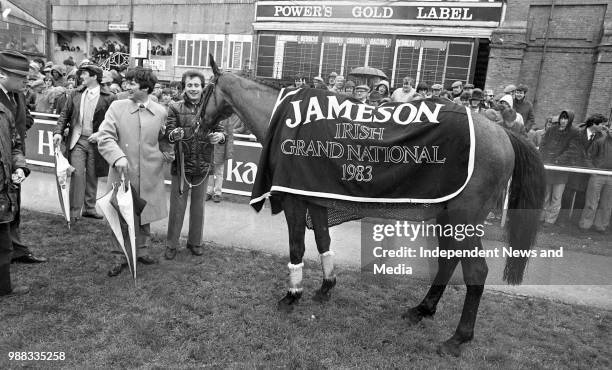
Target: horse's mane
275 84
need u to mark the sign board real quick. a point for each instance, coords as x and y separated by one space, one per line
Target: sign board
239 173
139 48
155 64
437 13
121 27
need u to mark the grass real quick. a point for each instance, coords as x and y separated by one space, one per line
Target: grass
219 311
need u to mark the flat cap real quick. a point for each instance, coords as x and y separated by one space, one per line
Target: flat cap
457 83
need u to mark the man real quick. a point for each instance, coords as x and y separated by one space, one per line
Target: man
318 83
406 93
298 82
331 80
223 151
13 78
349 88
488 102
338 87
129 139
457 90
522 106
82 114
468 88
422 91
436 89
193 152
361 93
510 90
476 101
598 200
12 87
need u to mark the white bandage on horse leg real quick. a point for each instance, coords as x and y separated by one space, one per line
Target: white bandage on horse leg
327 264
295 277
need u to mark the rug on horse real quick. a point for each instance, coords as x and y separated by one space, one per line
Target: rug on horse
324 145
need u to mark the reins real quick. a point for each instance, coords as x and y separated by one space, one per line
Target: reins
198 120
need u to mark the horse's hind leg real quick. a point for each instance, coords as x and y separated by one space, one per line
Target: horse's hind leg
446 267
475 272
318 215
295 214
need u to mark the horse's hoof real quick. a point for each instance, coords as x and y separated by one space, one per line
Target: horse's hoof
289 301
414 315
323 294
450 347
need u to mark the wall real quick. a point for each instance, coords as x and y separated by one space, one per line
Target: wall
575 72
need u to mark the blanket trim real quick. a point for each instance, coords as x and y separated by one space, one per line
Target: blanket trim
374 200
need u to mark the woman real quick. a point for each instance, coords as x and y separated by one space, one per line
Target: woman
559 146
383 89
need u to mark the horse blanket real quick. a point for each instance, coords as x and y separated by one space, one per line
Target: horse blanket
324 145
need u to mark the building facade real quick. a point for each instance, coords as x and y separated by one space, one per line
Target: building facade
562 49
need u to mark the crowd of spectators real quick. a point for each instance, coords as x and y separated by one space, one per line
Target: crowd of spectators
160 50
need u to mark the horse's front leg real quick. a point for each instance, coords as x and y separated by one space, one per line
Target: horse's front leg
295 214
318 215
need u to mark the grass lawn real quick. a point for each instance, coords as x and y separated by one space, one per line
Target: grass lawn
219 310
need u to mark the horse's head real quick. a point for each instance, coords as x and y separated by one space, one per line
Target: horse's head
216 107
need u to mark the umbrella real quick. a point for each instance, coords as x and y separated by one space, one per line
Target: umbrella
368 72
63 171
116 206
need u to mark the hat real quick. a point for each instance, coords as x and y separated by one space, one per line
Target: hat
49 64
469 86
319 78
457 83
84 62
489 92
510 88
465 96
508 99
522 88
34 66
107 77
493 115
36 83
92 69
349 83
362 87
333 74
477 95
437 87
59 69
14 62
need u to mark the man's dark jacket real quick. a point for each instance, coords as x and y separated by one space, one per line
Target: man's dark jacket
525 108
197 149
70 116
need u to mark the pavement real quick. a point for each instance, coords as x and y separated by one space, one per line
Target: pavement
577 278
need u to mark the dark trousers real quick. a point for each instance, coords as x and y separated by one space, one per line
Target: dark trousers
6 250
19 249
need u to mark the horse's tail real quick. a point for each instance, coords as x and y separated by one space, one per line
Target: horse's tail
525 203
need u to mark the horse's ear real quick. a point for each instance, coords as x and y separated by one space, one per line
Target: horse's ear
213 65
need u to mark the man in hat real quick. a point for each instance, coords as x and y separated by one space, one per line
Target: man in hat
457 90
82 114
349 88
331 80
436 89
361 93
524 107
14 68
319 83
468 88
510 90
488 102
476 101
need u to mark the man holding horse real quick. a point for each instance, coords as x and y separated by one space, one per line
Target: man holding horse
194 145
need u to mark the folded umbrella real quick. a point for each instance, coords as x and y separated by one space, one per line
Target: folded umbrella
63 172
123 203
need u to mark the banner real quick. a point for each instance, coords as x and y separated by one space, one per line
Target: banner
325 145
239 172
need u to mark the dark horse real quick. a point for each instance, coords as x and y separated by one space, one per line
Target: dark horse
499 156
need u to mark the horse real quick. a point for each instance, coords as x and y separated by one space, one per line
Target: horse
502 159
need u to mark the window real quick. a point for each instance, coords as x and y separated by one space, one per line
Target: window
239 52
193 49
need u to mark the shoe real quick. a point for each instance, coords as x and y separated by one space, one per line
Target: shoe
29 258
208 197
147 260
92 214
196 250
170 253
216 198
116 269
